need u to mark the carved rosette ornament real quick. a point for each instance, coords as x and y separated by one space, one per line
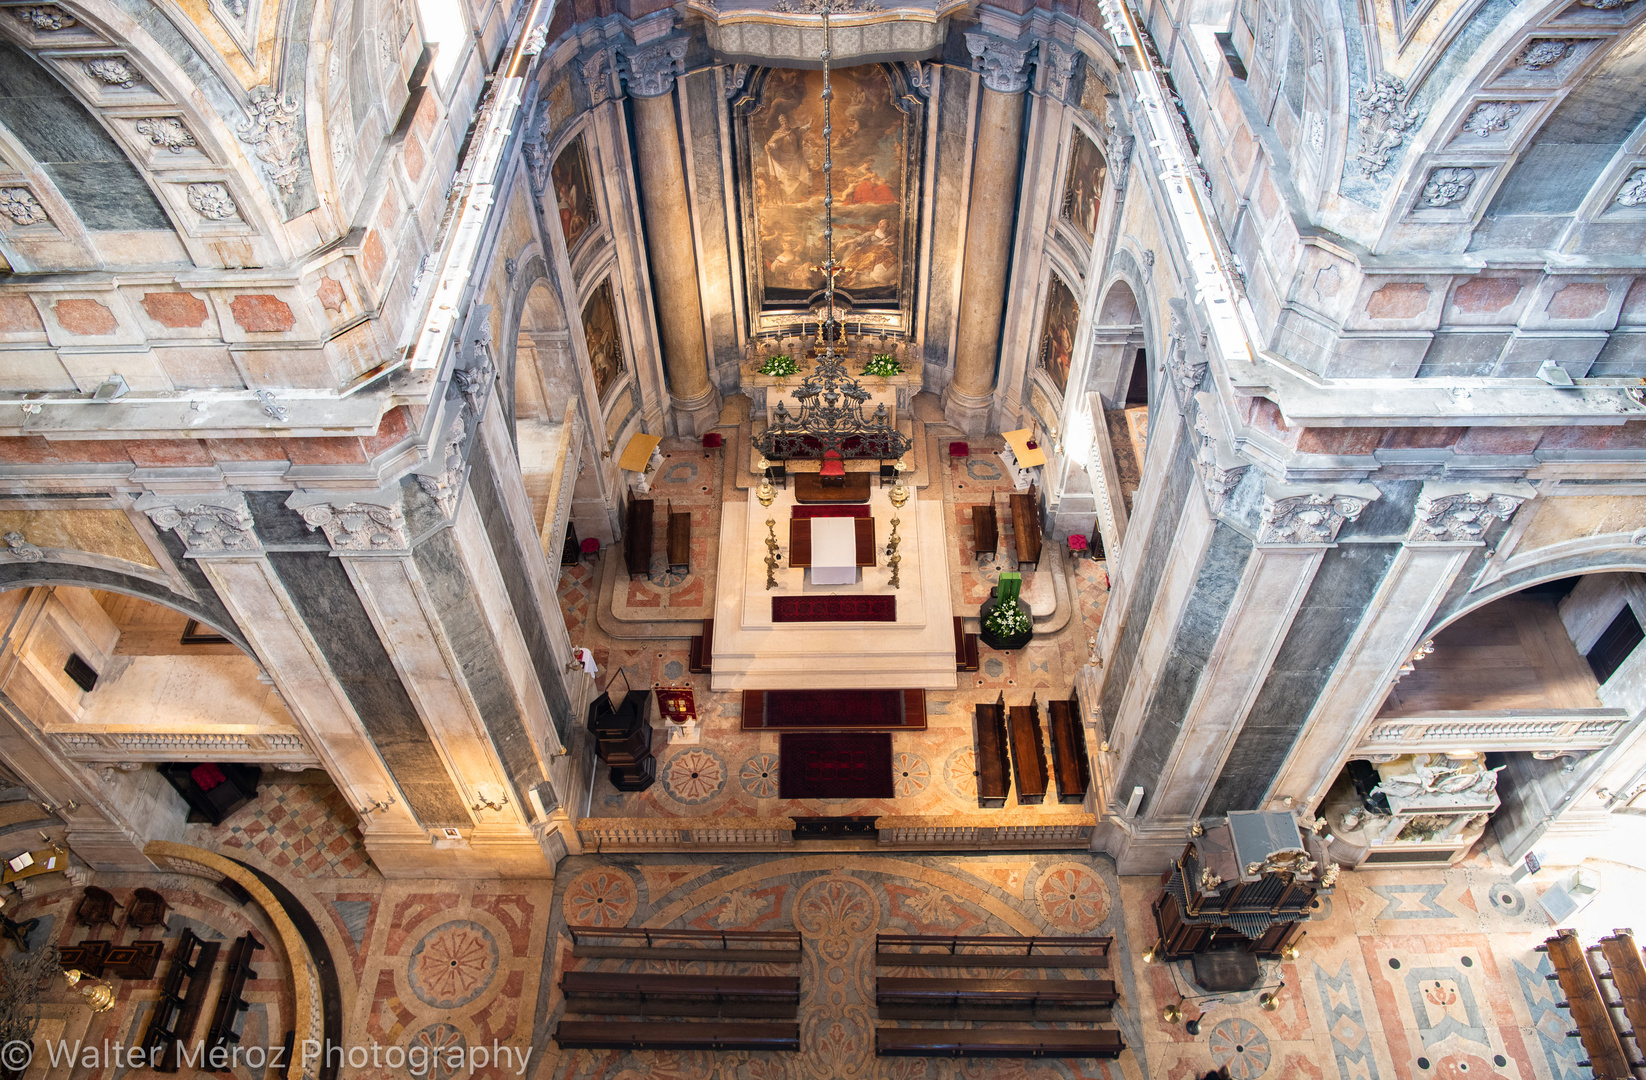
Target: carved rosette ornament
1491 116
113 71
1448 187
44 18
271 129
1633 192
1463 517
1307 519
166 131
21 548
19 204
1545 52
1004 65
207 525
1383 122
359 526
650 70
212 200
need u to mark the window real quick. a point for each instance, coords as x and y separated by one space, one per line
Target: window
1615 644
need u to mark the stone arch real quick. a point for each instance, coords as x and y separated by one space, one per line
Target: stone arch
45 572
1115 338
1625 558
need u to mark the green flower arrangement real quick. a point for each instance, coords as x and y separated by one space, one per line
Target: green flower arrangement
883 364
1007 620
779 365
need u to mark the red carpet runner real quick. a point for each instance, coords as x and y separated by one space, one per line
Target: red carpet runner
826 510
834 767
814 710
834 609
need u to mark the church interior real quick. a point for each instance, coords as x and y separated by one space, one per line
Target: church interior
907 539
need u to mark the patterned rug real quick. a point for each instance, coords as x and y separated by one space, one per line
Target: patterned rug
827 511
835 766
834 609
813 710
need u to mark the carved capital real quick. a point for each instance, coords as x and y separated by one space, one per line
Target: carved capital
473 380
649 70
1060 61
1118 142
21 548
1460 516
597 75
1219 467
1004 65
1184 361
371 521
1307 519
442 477
217 524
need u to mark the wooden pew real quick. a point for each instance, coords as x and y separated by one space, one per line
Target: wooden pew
990 950
222 1037
182 994
638 994
994 777
701 655
1069 761
637 538
644 943
1623 956
994 999
1026 526
1588 1007
996 1042
680 540
985 531
965 647
1028 753
607 1035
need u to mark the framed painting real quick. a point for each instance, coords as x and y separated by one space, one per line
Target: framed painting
1057 332
574 193
781 167
1083 186
604 341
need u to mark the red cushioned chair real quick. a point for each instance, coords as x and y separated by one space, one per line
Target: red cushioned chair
960 449
833 472
713 441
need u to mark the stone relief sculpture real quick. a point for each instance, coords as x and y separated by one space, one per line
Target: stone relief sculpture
1383 122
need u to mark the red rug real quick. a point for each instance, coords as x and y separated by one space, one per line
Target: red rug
826 510
813 710
834 609
834 767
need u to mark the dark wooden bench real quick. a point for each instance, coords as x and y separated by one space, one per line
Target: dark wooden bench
994 999
644 943
1070 764
628 993
224 1032
607 1035
1028 753
637 538
680 540
182 996
996 1042
965 647
701 654
994 774
1588 1006
1628 976
989 950
985 531
1026 526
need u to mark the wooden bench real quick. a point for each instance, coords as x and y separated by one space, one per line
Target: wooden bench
700 657
225 1021
965 647
994 999
1628 977
1588 1006
680 540
990 950
607 1035
994 775
644 943
996 1042
638 994
1028 753
637 538
1026 526
985 531
1070 764
182 995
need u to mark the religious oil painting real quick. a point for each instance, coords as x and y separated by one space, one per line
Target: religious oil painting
785 136
1057 334
574 192
605 344
1083 187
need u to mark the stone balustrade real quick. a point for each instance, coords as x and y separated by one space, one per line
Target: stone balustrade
1538 730
258 747
981 832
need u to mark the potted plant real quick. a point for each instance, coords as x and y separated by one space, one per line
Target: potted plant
1006 621
779 366
884 365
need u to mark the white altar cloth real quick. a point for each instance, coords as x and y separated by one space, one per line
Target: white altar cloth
834 551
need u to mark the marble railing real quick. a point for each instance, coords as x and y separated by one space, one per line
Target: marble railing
277 747
981 831
1537 730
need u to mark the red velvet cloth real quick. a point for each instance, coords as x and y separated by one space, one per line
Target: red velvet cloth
207 776
834 708
834 766
834 609
830 510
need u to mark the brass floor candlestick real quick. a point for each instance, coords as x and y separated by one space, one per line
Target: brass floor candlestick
893 559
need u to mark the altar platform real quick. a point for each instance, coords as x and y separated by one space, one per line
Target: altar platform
913 651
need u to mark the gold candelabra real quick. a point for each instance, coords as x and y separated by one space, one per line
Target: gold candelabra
898 494
893 559
771 554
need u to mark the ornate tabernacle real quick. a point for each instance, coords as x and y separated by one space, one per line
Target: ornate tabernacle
1246 884
831 418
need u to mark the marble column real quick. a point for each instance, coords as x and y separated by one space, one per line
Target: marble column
649 72
970 394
